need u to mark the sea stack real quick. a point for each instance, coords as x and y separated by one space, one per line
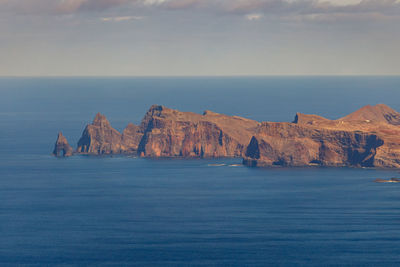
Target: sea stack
61 147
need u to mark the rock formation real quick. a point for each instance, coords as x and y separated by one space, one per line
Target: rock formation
100 138
287 144
379 113
61 147
369 137
391 180
171 133
166 132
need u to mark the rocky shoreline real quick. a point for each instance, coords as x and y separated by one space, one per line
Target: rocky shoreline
369 137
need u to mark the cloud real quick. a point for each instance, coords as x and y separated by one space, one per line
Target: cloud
253 16
72 6
122 18
251 9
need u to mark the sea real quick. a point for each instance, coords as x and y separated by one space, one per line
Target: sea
128 211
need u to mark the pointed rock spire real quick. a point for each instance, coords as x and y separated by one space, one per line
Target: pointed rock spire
101 120
61 147
99 138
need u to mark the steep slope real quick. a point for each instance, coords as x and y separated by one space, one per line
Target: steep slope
379 113
171 133
99 138
379 121
166 132
288 144
369 137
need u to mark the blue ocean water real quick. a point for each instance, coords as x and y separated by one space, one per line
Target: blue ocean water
133 211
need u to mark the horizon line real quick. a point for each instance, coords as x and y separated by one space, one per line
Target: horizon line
199 76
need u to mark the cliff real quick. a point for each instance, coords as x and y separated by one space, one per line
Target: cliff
61 147
165 132
288 144
99 138
369 137
171 133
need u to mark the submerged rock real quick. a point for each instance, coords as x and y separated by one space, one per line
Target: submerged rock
391 180
61 147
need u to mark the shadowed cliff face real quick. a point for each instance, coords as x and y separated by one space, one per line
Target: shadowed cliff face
369 137
61 147
287 144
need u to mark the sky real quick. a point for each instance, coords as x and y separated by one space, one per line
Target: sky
199 37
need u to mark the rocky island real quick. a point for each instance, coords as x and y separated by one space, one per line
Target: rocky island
369 137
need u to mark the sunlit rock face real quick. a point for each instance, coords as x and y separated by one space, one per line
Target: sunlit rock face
99 138
287 144
166 132
369 137
171 133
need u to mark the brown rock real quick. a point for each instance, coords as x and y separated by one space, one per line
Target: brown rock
355 131
100 138
288 144
308 119
369 137
379 113
61 147
171 133
131 137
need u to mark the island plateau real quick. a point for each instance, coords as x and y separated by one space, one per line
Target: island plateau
368 137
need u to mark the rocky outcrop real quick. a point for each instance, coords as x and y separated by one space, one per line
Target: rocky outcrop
131 137
171 133
287 144
379 114
391 180
165 132
307 119
369 137
61 147
99 138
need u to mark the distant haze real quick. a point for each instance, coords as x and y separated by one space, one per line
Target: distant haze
199 37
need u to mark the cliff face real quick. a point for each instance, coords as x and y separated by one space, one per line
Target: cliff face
286 144
99 138
130 139
369 137
166 132
61 147
171 133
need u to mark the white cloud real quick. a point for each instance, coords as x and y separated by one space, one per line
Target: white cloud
253 16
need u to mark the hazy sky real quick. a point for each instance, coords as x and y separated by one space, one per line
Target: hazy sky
199 37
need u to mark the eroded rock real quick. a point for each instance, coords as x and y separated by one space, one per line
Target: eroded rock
61 147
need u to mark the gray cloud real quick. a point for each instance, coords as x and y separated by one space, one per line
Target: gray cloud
315 9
